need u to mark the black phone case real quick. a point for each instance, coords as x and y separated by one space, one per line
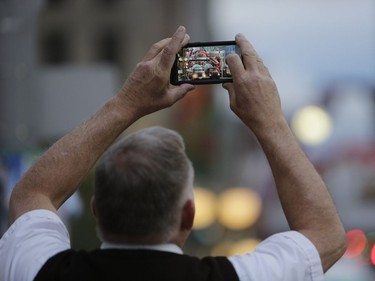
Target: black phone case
174 72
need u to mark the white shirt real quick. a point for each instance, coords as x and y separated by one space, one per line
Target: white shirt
40 234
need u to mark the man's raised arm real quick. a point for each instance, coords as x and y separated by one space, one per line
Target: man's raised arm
59 171
305 199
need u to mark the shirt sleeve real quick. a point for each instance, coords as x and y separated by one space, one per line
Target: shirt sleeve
282 257
29 242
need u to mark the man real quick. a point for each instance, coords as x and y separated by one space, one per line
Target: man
143 198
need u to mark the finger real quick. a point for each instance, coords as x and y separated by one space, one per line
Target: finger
249 55
169 52
179 92
230 88
235 65
159 46
186 40
186 87
156 49
264 69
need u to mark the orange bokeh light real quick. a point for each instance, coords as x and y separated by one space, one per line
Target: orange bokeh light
357 243
373 255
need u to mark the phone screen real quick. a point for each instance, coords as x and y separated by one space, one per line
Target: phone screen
203 63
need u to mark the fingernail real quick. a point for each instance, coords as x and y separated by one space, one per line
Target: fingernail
181 28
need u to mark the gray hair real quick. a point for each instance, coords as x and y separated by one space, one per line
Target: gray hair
140 183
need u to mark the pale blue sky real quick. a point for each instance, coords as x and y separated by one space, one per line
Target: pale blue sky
304 43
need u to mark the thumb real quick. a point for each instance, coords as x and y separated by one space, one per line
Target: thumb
179 92
231 92
228 86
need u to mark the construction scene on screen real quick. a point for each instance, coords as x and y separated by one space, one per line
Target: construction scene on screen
205 63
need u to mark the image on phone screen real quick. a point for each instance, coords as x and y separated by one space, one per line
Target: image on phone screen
203 63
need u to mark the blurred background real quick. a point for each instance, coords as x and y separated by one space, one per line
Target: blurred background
60 60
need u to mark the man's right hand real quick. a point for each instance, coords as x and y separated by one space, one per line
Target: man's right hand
253 94
306 202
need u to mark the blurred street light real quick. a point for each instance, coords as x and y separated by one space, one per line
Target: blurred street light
239 208
205 208
312 125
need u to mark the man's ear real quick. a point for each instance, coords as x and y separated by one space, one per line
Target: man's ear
187 216
93 206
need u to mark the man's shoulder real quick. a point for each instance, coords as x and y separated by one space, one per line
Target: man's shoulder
29 242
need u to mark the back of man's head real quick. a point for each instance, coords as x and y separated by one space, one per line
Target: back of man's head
140 185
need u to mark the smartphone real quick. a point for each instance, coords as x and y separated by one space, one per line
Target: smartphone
203 63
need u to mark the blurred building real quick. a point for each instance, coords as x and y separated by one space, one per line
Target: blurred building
61 59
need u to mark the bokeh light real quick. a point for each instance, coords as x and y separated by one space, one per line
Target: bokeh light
357 242
372 257
243 246
205 208
239 208
312 125
235 248
221 249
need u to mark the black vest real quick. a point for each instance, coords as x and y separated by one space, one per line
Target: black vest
134 265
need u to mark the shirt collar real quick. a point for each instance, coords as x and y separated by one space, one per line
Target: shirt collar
172 248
